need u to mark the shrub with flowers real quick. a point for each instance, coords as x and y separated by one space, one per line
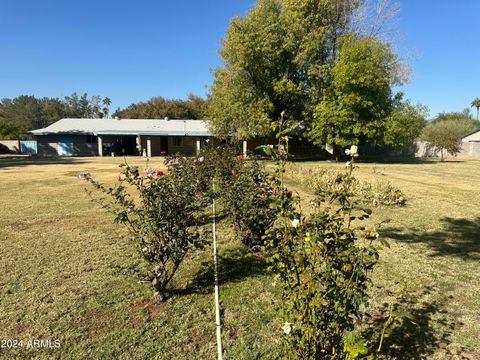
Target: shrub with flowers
246 192
163 212
322 263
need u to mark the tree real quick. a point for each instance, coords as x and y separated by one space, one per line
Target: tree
405 124
159 107
106 106
359 97
446 135
282 57
26 112
476 103
8 130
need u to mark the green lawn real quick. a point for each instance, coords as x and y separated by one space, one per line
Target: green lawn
69 273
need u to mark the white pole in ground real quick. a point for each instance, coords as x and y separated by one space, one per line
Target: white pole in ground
217 296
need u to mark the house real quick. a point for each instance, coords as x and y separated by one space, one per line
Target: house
471 144
150 137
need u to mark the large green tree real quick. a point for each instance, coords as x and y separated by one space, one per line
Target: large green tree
405 124
359 97
293 56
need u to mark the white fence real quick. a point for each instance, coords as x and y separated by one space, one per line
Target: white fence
469 149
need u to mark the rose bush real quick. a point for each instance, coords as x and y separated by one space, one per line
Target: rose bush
163 212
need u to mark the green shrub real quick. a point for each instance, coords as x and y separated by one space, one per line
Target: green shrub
246 190
322 264
163 212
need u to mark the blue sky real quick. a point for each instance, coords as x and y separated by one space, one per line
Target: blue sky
133 50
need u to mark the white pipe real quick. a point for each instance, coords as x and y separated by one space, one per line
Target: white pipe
217 296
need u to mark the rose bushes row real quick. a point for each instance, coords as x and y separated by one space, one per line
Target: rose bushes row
322 260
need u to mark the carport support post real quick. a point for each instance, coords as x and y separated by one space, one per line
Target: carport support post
244 148
138 141
100 145
149 147
198 146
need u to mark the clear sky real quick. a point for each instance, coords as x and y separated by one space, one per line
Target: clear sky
134 50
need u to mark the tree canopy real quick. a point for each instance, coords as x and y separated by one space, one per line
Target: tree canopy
158 107
306 59
26 112
359 98
405 124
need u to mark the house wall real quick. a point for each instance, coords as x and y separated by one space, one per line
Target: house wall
47 145
188 146
156 142
82 148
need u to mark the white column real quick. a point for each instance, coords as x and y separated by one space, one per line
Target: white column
198 145
138 142
149 147
244 148
100 145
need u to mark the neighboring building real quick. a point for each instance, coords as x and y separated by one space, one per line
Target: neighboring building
151 137
471 144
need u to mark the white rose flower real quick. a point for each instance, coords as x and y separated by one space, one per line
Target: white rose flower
353 151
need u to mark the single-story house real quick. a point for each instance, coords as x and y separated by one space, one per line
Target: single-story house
148 137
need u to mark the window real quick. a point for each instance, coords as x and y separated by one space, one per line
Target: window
91 139
177 141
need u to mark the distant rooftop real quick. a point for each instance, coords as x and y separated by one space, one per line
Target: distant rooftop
159 127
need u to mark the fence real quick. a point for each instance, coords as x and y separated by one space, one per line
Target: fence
28 147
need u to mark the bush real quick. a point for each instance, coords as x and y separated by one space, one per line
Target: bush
380 193
163 212
246 190
322 263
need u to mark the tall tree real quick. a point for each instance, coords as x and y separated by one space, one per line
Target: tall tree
405 124
359 97
476 103
281 57
106 106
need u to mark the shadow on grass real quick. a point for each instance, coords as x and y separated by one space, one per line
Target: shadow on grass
233 266
459 237
420 329
18 161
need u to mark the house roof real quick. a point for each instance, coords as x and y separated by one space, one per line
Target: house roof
472 137
162 127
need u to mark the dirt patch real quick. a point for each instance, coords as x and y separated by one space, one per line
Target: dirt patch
152 307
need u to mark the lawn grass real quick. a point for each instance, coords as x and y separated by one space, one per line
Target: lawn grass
69 273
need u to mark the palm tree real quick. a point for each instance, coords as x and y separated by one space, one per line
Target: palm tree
106 102
476 103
